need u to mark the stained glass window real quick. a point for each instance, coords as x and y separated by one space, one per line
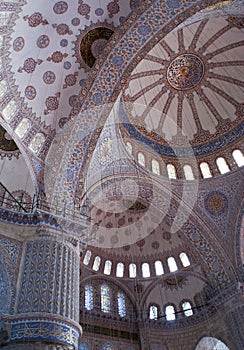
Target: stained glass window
88 297
121 304
170 313
206 173
132 270
155 167
87 257
172 264
153 312
186 306
120 270
107 267
188 172
222 165
159 268
184 259
145 270
96 263
171 171
238 156
105 298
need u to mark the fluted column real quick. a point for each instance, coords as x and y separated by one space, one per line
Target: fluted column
47 302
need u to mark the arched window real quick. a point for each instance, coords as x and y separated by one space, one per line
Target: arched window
222 165
105 298
184 259
107 267
206 173
96 263
87 257
145 270
187 309
238 156
23 127
159 268
172 264
129 147
188 172
141 159
121 304
153 312
132 270
171 171
170 313
120 270
88 297
155 167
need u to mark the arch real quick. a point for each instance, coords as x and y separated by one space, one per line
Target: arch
95 104
211 343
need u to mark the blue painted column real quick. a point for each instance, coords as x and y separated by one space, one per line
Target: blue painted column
47 301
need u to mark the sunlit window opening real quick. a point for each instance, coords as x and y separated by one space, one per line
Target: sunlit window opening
88 297
153 312
129 147
186 306
87 257
141 159
105 298
121 304
172 264
120 270
238 157
155 167
96 263
145 270
184 259
171 171
107 347
159 268
107 267
206 173
132 270
222 165
170 313
188 172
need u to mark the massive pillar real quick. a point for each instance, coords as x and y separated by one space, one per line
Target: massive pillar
47 302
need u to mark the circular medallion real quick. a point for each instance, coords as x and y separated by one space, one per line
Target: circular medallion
216 203
185 72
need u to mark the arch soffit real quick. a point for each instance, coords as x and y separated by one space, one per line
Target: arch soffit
94 102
